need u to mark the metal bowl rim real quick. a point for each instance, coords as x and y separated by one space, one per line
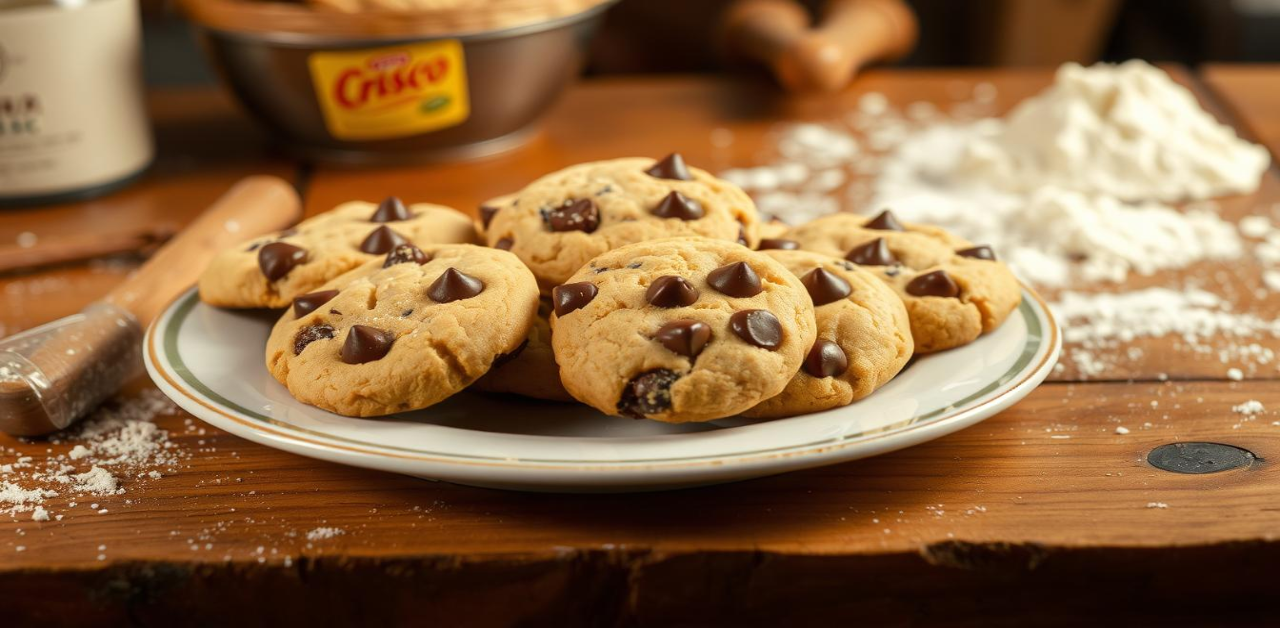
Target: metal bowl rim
302 40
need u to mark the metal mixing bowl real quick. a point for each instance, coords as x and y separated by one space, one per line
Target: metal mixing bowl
513 75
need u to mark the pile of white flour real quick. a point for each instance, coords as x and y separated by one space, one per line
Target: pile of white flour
1072 189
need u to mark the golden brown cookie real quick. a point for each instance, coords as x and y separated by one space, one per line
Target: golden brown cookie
530 370
271 271
559 222
864 336
683 329
403 332
954 291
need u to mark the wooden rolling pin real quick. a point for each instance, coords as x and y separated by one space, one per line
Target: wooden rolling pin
53 375
824 57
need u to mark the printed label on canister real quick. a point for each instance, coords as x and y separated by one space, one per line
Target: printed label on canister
397 91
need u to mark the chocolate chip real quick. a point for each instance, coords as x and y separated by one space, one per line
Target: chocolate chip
781 244
685 336
382 240
572 296
335 312
391 210
677 205
647 393
826 359
736 280
885 221
757 327
307 303
504 243
454 285
670 167
407 313
873 253
503 358
487 212
978 252
278 258
405 253
825 287
933 284
310 334
671 291
366 344
574 215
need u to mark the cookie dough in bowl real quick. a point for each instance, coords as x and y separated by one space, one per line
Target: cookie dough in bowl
679 330
562 220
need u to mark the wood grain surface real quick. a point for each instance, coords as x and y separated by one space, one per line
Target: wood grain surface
1044 512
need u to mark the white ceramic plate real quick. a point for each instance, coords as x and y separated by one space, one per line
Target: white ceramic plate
210 362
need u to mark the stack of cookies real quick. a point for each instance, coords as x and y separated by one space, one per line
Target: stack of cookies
647 289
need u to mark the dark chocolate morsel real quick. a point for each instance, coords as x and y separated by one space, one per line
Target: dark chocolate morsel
671 291
933 284
873 253
759 328
825 286
366 344
826 359
310 334
978 252
670 167
736 280
382 240
308 303
391 210
504 358
504 244
487 212
782 244
572 296
885 221
278 258
574 215
454 285
677 205
405 253
647 393
685 336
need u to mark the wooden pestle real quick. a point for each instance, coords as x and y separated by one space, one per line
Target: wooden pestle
849 35
52 376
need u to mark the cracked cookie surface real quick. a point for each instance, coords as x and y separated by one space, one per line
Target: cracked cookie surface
271 271
863 336
683 329
562 220
954 291
404 331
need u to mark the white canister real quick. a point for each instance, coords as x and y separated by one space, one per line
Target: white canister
73 120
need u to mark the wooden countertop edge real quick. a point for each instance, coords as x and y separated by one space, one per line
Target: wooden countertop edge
636 586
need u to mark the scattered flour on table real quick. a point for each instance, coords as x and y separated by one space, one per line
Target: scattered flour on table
1073 188
324 533
1249 408
117 442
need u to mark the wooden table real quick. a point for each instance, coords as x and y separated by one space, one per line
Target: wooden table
1043 512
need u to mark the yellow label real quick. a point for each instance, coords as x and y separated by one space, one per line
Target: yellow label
397 91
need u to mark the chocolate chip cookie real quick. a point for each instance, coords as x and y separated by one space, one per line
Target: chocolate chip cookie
404 331
530 370
864 336
271 271
954 291
559 222
683 329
